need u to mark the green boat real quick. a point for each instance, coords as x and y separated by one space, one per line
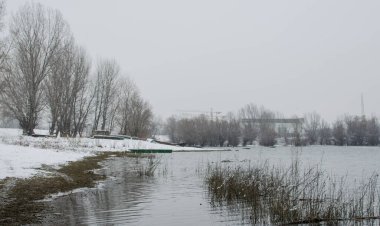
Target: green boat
151 150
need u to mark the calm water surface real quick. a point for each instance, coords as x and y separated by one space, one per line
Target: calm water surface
176 194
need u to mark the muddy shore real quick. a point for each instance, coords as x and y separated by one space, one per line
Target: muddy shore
19 197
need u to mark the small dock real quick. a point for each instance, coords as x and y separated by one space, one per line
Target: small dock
108 137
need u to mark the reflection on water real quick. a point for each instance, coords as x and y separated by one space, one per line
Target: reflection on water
119 200
176 195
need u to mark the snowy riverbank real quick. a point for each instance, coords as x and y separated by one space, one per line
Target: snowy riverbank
22 156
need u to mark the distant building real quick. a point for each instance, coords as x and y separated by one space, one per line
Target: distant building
288 128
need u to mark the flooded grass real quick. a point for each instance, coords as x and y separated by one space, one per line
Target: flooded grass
19 205
276 195
148 169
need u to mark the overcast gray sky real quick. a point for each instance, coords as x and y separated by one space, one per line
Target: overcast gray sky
291 56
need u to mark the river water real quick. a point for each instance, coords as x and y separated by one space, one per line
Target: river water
177 195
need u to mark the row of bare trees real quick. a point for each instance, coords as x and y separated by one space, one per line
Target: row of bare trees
347 130
204 131
255 124
264 132
225 131
45 72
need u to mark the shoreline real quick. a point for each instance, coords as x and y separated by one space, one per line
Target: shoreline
22 198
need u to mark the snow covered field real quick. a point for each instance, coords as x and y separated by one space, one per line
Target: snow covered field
20 161
21 156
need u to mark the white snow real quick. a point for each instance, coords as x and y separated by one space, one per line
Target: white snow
20 156
19 161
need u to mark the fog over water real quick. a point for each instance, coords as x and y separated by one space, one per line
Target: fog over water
291 56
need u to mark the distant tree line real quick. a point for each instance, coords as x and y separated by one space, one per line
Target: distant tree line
45 73
203 131
235 129
347 130
223 131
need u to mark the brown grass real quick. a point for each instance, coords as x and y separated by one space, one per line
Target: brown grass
148 168
292 196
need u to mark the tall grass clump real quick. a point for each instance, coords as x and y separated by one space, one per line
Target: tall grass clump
148 167
289 195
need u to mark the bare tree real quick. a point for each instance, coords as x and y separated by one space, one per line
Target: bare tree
297 139
157 127
140 117
36 34
203 131
82 107
267 135
67 90
312 126
187 132
324 133
203 127
222 131
107 75
4 44
373 132
356 130
250 130
57 85
7 116
127 90
2 13
171 129
339 132
134 114
233 130
80 97
213 132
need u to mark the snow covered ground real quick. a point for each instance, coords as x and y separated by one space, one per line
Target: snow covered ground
20 161
20 156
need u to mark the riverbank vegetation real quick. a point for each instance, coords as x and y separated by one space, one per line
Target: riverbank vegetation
290 195
148 168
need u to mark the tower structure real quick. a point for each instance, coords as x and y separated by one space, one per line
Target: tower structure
362 104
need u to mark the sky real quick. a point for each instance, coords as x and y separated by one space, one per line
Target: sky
290 56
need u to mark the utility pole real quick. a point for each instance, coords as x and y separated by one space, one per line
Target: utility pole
362 102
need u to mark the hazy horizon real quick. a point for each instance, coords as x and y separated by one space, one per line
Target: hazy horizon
292 57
